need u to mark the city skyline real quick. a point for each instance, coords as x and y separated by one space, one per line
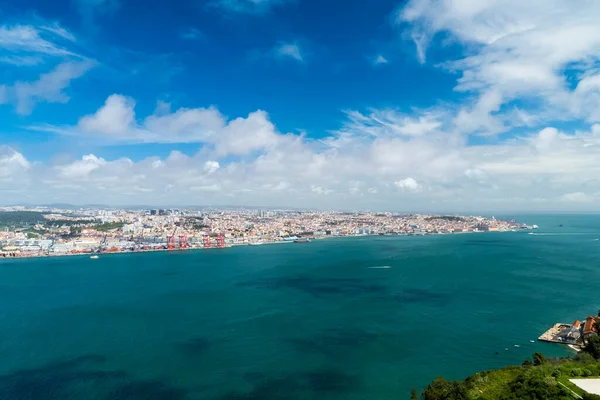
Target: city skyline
416 106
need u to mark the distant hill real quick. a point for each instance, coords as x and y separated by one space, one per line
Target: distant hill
20 218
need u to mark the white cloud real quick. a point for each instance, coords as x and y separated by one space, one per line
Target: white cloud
58 30
524 64
14 173
577 197
28 46
48 88
115 122
514 50
21 61
380 60
408 184
289 50
421 42
116 117
365 169
81 169
320 190
17 40
211 166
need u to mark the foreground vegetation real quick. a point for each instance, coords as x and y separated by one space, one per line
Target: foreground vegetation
538 378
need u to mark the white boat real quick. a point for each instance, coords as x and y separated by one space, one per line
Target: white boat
255 243
94 257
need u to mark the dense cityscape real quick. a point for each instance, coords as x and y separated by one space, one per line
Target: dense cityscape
45 231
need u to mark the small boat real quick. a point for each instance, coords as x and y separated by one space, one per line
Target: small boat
532 341
302 240
516 345
94 257
255 243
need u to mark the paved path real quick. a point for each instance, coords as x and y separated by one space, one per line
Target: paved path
589 385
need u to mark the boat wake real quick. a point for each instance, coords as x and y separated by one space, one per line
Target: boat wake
382 267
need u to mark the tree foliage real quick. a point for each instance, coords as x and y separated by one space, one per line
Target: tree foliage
593 346
538 358
20 218
441 389
534 387
538 378
109 226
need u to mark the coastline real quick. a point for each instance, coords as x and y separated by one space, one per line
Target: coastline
229 245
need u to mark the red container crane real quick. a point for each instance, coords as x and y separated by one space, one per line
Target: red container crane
171 241
183 244
220 241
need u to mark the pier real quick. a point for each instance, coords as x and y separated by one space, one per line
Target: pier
551 335
566 334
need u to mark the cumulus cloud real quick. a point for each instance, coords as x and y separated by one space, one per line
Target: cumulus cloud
116 122
211 166
376 160
408 184
115 118
524 65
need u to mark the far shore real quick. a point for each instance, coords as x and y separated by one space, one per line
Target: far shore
228 245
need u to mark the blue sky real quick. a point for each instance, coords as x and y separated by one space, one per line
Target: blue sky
418 105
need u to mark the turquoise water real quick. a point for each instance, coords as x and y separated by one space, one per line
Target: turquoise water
292 321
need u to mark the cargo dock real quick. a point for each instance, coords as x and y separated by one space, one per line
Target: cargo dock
551 335
572 335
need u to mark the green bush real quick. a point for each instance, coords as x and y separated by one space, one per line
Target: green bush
593 346
441 389
538 358
583 357
533 387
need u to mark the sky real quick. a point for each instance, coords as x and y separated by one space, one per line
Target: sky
418 105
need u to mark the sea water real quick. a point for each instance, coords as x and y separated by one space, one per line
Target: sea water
347 318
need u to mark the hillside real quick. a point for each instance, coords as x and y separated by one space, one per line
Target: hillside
539 378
